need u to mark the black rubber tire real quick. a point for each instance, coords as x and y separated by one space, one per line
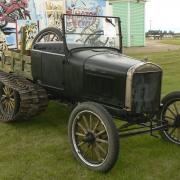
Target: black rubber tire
46 30
113 148
166 101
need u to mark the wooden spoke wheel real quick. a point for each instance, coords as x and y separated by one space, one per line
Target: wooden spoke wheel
9 102
93 136
170 115
50 34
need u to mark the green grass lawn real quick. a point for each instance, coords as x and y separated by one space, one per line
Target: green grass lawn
175 41
39 148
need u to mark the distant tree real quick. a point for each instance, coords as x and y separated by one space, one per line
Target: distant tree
141 0
171 32
165 32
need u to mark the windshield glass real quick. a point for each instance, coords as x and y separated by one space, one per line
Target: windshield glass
91 31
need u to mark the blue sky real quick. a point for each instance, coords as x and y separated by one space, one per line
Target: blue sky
163 14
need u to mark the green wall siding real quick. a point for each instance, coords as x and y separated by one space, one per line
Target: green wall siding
135 29
120 10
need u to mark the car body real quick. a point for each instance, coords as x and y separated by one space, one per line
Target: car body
99 74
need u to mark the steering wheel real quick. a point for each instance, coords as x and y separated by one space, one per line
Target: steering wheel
94 39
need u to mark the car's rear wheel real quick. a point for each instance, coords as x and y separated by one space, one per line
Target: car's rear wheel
9 103
170 116
50 34
93 136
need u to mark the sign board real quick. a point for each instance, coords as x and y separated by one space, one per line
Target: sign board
85 7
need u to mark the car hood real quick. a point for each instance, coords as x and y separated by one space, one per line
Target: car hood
109 62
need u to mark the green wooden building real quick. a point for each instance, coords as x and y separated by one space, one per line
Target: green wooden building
132 14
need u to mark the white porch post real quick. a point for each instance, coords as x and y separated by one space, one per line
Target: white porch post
129 25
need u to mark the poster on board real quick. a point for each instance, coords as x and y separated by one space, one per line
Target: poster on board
54 10
85 7
41 16
30 31
83 25
10 12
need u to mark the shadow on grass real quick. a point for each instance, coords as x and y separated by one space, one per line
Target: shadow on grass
55 116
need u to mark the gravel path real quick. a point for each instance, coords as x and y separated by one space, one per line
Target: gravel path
152 46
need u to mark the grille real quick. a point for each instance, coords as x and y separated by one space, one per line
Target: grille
146 92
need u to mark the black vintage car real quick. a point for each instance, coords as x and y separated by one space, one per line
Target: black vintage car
83 65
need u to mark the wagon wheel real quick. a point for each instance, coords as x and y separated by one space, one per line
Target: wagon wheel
170 115
93 39
93 137
9 103
50 34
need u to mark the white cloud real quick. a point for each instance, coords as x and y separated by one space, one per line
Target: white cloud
163 14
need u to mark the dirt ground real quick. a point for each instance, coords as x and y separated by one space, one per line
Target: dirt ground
152 46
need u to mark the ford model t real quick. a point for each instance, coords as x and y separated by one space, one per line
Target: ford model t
83 65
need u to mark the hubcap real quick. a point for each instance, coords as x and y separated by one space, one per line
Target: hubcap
90 138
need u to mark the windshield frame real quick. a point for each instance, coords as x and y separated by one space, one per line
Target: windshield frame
92 47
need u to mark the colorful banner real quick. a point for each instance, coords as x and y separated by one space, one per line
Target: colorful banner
30 31
10 12
85 7
47 12
41 16
79 25
54 10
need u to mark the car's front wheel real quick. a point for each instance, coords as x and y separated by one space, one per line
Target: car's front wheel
170 116
93 136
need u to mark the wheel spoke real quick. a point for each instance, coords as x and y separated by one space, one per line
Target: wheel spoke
80 134
92 154
81 143
53 37
98 155
101 148
11 105
47 38
97 124
171 112
82 127
170 118
12 99
100 133
175 106
4 102
86 123
5 90
9 91
11 95
172 131
101 141
6 107
90 122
